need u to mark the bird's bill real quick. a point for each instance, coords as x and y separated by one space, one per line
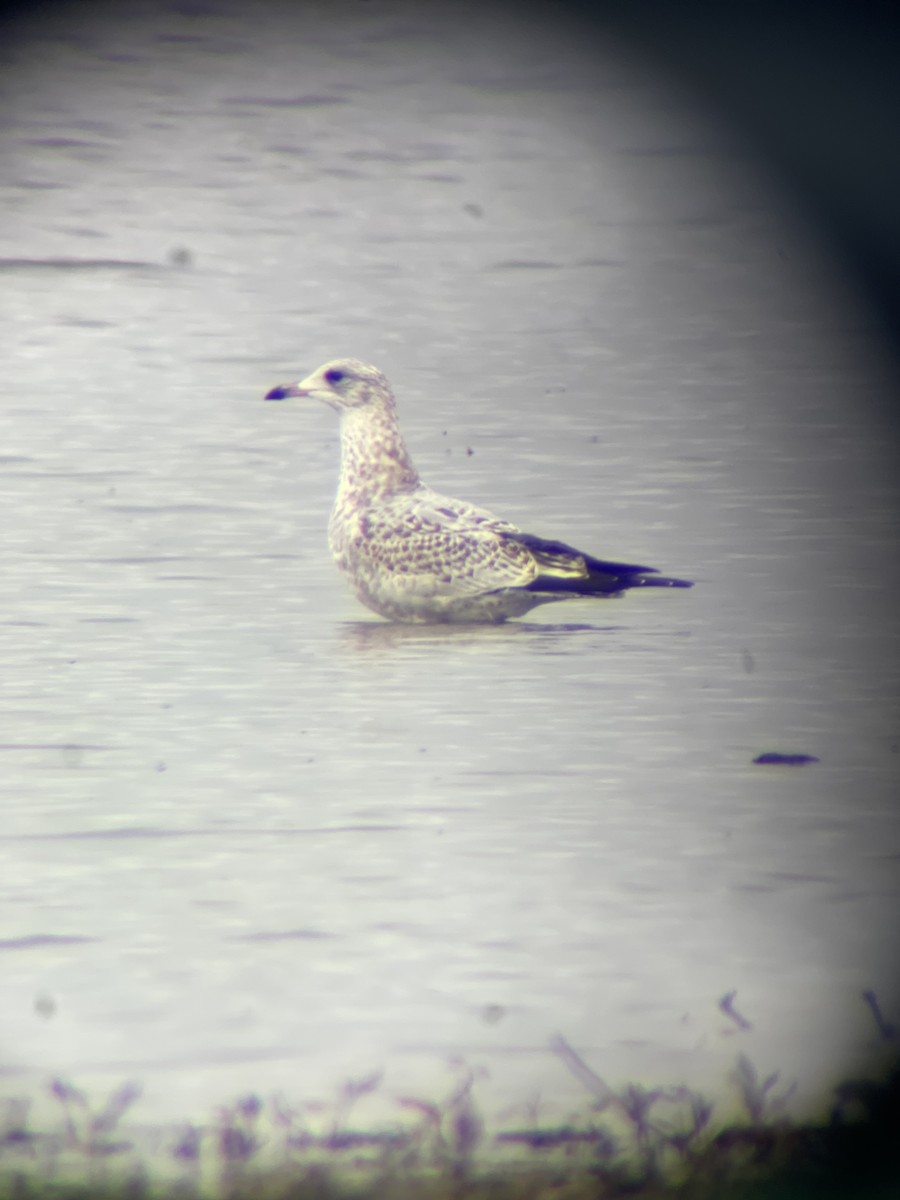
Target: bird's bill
287 391
310 386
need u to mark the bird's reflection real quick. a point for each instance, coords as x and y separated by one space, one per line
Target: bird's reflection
381 636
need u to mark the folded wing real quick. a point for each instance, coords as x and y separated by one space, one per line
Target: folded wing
443 547
562 568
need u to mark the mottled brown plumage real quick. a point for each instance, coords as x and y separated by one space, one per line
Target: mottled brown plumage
414 555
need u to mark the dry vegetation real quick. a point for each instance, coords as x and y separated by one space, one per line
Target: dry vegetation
635 1142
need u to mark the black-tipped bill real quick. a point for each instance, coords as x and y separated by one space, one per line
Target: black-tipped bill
281 392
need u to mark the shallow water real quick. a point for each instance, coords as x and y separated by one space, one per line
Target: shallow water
254 839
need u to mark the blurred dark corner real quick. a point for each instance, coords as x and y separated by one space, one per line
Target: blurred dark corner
814 88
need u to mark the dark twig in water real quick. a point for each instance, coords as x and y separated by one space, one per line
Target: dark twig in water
465 1127
726 1005
116 1106
759 1104
89 1132
634 1103
772 758
684 1140
887 1031
69 1097
604 1146
601 1091
351 1091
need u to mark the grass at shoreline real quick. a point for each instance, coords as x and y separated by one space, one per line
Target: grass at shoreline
636 1142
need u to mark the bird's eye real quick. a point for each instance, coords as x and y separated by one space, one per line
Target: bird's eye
334 375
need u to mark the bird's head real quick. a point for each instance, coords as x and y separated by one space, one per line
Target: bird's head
344 383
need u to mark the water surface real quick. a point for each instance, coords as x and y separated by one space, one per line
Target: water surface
254 838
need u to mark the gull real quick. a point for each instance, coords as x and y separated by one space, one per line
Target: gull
415 556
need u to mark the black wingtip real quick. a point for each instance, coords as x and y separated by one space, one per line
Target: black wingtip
277 393
655 580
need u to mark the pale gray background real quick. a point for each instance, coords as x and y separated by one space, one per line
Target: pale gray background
253 839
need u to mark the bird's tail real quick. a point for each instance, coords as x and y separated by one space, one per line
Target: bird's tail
565 569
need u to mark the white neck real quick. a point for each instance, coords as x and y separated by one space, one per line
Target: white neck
374 460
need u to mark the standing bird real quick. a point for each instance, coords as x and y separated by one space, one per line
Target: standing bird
413 555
